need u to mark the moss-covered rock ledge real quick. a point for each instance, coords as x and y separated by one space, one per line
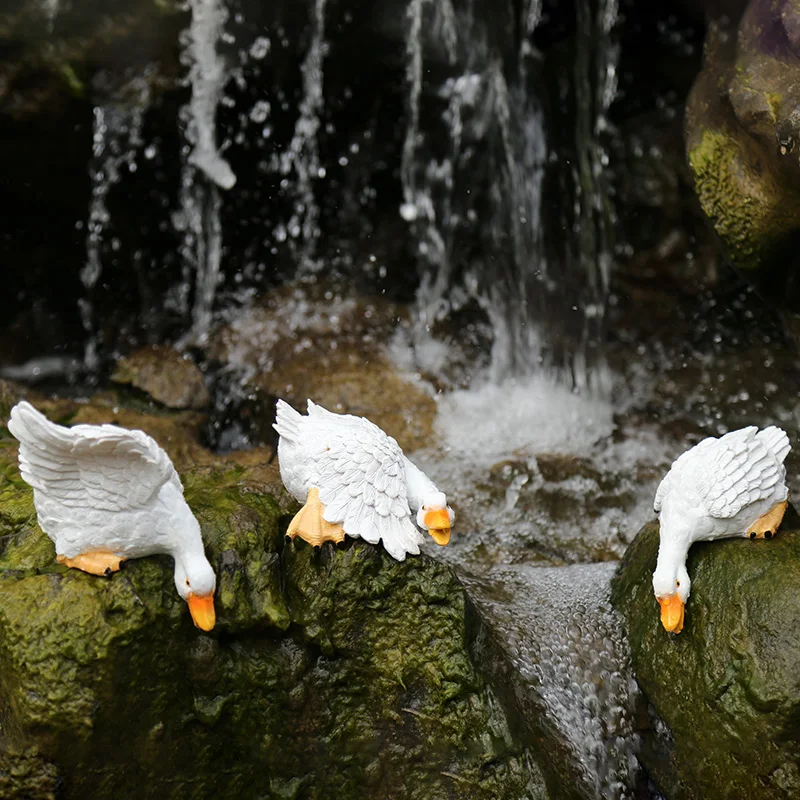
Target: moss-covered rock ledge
728 686
330 674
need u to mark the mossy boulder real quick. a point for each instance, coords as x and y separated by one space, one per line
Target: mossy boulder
728 687
739 105
334 673
753 211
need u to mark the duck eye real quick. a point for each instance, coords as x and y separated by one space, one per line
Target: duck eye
677 583
187 581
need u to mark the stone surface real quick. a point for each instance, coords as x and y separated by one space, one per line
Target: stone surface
311 342
727 689
331 673
169 377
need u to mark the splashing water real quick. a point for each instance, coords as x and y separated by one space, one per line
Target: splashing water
199 216
116 140
302 155
537 414
567 657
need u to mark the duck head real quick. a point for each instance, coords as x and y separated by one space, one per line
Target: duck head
435 516
195 581
671 587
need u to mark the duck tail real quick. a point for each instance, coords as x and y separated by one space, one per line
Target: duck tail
776 441
287 421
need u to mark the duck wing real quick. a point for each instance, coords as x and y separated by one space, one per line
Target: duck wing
360 475
89 466
739 469
685 463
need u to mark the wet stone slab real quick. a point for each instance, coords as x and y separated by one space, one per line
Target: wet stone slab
555 645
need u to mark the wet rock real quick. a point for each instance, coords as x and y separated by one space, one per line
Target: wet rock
552 641
312 342
726 689
741 129
331 673
169 377
552 508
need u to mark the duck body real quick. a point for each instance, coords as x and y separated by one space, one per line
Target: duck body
723 487
355 480
105 494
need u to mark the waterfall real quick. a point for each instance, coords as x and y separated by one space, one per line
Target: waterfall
116 140
427 183
596 84
199 215
510 300
482 110
496 107
302 154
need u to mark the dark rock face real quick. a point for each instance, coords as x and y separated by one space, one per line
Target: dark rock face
333 673
727 688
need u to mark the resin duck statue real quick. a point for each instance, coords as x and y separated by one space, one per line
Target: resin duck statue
104 494
355 480
731 486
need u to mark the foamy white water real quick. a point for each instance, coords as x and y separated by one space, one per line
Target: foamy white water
529 415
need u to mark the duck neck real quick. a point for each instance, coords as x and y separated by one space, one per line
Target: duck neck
672 553
418 485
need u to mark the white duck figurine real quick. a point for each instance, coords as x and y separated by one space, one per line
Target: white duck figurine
731 486
354 479
104 494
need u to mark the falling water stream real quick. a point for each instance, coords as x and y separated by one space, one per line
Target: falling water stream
199 216
571 662
301 158
116 142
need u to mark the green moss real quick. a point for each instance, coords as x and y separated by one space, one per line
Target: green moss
330 674
244 528
774 101
750 210
727 686
71 80
27 776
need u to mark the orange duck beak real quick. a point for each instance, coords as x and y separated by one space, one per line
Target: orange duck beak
438 524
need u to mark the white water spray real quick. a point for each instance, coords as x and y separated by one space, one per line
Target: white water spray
50 8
